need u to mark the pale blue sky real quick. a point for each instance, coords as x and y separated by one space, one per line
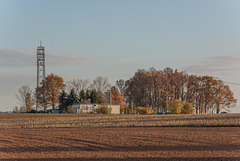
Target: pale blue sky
114 38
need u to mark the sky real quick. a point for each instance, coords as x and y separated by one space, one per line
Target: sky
114 38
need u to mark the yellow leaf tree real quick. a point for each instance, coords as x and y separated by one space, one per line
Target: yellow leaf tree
176 106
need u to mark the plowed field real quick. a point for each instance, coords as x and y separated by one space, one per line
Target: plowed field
120 144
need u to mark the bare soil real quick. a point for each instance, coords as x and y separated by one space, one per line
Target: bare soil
120 144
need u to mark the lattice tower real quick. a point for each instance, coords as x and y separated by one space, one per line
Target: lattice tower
41 84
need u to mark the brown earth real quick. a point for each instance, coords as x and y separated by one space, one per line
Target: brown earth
120 144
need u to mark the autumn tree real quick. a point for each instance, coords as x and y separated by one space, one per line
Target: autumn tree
116 97
150 88
187 108
144 110
54 86
156 89
208 87
175 106
224 97
25 98
192 91
29 102
136 90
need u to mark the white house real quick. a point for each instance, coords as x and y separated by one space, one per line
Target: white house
91 108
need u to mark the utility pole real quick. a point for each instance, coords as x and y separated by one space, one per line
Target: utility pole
41 95
132 106
110 100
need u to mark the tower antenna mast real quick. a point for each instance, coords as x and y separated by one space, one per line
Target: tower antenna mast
41 83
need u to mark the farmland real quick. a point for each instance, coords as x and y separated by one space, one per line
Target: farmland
122 143
63 137
75 120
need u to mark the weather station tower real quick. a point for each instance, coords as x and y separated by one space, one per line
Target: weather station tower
41 84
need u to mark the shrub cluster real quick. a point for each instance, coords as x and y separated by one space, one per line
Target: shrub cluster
177 107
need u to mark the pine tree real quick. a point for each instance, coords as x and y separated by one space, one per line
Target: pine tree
83 96
72 98
63 101
95 97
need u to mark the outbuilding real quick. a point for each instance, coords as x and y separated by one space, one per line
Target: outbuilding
92 108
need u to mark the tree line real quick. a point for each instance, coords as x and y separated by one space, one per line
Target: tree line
156 89
62 95
149 90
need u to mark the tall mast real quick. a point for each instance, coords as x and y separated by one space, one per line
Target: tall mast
41 84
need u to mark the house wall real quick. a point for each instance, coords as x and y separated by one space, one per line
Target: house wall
115 109
87 108
91 108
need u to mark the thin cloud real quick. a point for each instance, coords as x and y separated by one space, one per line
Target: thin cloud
16 58
67 60
24 58
216 64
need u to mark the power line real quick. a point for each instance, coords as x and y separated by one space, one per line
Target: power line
228 82
232 83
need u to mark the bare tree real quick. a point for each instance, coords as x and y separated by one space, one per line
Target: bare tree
120 84
78 85
24 96
100 84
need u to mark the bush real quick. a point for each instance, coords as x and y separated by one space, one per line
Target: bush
32 111
41 112
176 106
187 108
127 110
70 109
103 110
141 110
144 110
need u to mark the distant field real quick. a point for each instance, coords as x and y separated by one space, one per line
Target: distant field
8 121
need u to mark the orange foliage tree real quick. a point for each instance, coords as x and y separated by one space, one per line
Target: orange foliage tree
156 89
116 96
54 87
